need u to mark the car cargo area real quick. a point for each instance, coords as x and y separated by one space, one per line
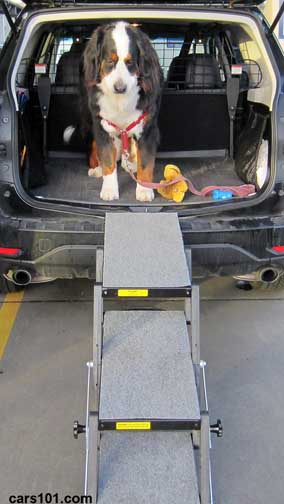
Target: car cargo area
67 179
214 118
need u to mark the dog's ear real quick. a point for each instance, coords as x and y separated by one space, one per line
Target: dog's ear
150 72
92 58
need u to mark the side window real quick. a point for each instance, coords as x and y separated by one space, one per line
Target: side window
167 48
42 58
250 50
4 30
62 45
252 62
7 46
35 60
197 46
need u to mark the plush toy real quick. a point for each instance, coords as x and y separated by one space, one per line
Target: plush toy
175 191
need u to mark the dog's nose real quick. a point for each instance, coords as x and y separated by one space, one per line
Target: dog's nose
119 86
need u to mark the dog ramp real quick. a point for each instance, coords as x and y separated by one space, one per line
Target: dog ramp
140 433
149 352
153 379
143 468
144 250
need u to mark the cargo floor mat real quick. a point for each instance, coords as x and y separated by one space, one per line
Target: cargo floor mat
68 180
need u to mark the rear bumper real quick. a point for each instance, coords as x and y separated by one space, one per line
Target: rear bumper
67 249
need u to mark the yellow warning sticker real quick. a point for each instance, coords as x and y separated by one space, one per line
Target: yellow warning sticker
133 425
133 292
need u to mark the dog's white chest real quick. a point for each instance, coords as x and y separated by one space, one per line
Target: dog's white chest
121 111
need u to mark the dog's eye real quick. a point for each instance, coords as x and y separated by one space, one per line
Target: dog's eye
129 62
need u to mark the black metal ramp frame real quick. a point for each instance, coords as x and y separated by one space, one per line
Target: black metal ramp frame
147 436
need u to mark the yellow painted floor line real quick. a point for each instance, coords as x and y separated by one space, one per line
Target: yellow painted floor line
8 314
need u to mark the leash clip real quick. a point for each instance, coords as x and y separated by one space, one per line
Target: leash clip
125 158
125 154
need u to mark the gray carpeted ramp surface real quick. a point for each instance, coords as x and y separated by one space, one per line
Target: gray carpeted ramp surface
147 468
147 373
144 250
147 370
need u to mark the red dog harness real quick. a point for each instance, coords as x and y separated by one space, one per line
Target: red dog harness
124 132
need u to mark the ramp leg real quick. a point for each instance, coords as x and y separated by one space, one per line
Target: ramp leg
94 434
204 459
195 324
91 487
99 265
97 341
192 313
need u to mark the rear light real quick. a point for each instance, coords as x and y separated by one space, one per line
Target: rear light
10 252
279 249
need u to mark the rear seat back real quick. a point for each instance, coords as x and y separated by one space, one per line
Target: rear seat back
195 117
177 68
67 72
202 72
177 72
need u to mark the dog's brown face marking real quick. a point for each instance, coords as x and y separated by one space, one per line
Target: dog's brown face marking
114 57
109 62
131 62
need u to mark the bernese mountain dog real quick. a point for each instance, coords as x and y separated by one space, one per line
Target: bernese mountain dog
122 82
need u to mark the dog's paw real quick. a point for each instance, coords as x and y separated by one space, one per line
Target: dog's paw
109 194
95 172
144 194
109 190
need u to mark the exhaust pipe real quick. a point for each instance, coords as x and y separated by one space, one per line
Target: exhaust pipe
21 277
267 274
270 274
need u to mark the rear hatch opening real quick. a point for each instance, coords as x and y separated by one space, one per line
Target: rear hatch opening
209 67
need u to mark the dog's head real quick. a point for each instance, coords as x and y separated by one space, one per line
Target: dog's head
119 57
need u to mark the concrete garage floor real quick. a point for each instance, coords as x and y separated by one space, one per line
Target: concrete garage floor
43 388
